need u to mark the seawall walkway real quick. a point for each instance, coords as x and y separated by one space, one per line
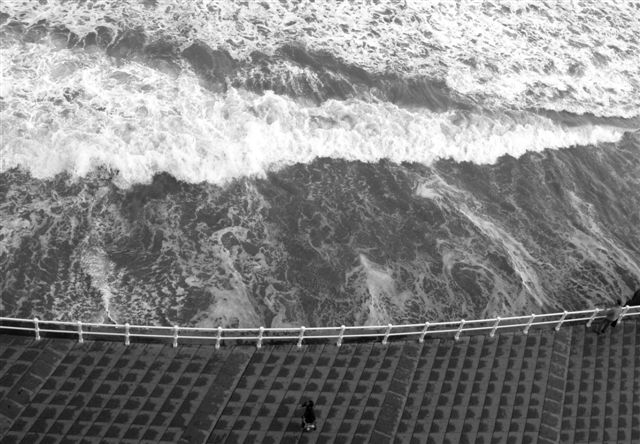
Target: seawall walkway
547 386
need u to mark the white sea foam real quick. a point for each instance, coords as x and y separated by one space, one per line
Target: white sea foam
598 246
97 265
579 56
74 111
525 266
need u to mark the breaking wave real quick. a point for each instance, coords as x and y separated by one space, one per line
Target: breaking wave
73 111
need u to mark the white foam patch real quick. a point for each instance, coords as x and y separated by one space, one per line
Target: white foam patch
524 264
382 293
232 302
74 111
520 259
598 246
96 264
579 56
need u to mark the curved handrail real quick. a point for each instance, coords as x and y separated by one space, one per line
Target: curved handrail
82 330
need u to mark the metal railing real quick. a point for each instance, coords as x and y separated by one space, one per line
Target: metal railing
258 335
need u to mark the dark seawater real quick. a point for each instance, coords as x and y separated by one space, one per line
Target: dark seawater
155 171
330 242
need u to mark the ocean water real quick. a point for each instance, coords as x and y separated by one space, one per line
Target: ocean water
286 163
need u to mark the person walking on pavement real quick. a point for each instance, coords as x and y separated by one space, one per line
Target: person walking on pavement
308 417
612 317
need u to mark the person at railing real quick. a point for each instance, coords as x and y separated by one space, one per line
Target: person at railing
612 317
635 299
308 417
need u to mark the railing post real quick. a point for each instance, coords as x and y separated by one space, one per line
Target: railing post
624 312
127 335
176 329
37 328
301 336
564 315
259 345
526 329
495 327
385 340
80 338
341 336
593 316
457 337
424 332
219 337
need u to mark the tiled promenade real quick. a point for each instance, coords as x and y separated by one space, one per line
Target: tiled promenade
570 386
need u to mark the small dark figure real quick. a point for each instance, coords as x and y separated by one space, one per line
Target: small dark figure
308 417
635 299
613 314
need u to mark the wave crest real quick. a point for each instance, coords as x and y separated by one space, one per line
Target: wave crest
75 111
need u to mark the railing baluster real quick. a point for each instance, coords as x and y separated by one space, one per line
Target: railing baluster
37 328
339 344
176 329
526 329
219 337
593 316
624 312
259 345
380 331
301 336
80 338
386 334
564 315
457 337
495 327
424 332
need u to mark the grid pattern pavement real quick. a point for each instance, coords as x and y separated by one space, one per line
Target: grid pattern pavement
548 386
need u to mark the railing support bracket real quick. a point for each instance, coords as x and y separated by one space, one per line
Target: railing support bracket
424 332
301 336
80 338
526 329
260 336
495 327
37 328
457 337
176 330
127 334
342 329
219 337
593 316
624 312
564 315
385 340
